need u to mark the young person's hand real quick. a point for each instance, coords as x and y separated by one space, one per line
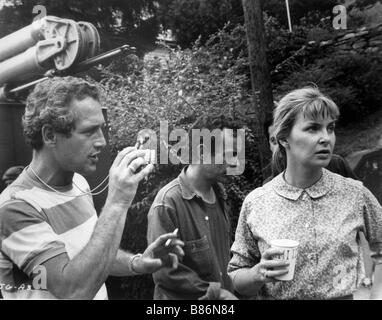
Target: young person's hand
165 251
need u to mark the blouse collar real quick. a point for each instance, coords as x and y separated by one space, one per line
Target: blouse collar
317 190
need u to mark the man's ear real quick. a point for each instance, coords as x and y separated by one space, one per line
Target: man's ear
284 143
48 135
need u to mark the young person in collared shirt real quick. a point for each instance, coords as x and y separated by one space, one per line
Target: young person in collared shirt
322 210
195 204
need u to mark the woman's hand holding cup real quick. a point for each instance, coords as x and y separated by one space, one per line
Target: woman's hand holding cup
265 271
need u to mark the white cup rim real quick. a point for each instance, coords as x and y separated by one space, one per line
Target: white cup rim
284 243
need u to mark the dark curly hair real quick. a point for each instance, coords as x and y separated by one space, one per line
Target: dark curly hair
216 121
48 104
211 122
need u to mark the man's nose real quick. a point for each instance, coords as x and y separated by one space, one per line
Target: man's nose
100 143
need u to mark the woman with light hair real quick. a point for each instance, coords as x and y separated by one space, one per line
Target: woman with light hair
322 211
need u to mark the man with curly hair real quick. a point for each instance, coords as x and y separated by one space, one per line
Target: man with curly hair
52 244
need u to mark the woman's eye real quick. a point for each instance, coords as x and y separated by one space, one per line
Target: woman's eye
331 128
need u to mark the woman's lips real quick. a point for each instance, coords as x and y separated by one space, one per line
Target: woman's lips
324 154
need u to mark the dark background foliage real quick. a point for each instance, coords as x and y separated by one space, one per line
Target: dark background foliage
354 81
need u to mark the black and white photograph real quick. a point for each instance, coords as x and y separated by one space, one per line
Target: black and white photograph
205 151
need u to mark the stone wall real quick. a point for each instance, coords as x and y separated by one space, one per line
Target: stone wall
361 41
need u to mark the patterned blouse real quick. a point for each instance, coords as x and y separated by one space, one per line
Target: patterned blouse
326 219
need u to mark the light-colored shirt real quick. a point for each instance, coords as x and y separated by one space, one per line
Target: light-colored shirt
37 224
325 218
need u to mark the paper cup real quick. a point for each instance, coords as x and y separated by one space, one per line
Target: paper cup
289 247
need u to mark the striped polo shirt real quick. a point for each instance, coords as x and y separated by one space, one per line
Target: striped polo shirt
37 224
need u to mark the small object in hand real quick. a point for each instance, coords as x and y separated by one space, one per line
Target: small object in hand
141 141
169 240
290 249
150 156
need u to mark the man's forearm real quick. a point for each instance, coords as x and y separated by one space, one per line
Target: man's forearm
85 274
122 264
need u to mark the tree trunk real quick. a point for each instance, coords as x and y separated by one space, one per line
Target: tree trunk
260 75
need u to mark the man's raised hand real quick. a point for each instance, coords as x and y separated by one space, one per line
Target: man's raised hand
124 176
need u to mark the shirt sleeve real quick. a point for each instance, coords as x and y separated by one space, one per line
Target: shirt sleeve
26 238
183 282
372 214
245 251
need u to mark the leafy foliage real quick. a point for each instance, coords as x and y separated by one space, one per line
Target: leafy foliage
361 13
363 4
191 19
352 80
314 9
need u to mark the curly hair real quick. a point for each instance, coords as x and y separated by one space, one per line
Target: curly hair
212 122
216 121
49 104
